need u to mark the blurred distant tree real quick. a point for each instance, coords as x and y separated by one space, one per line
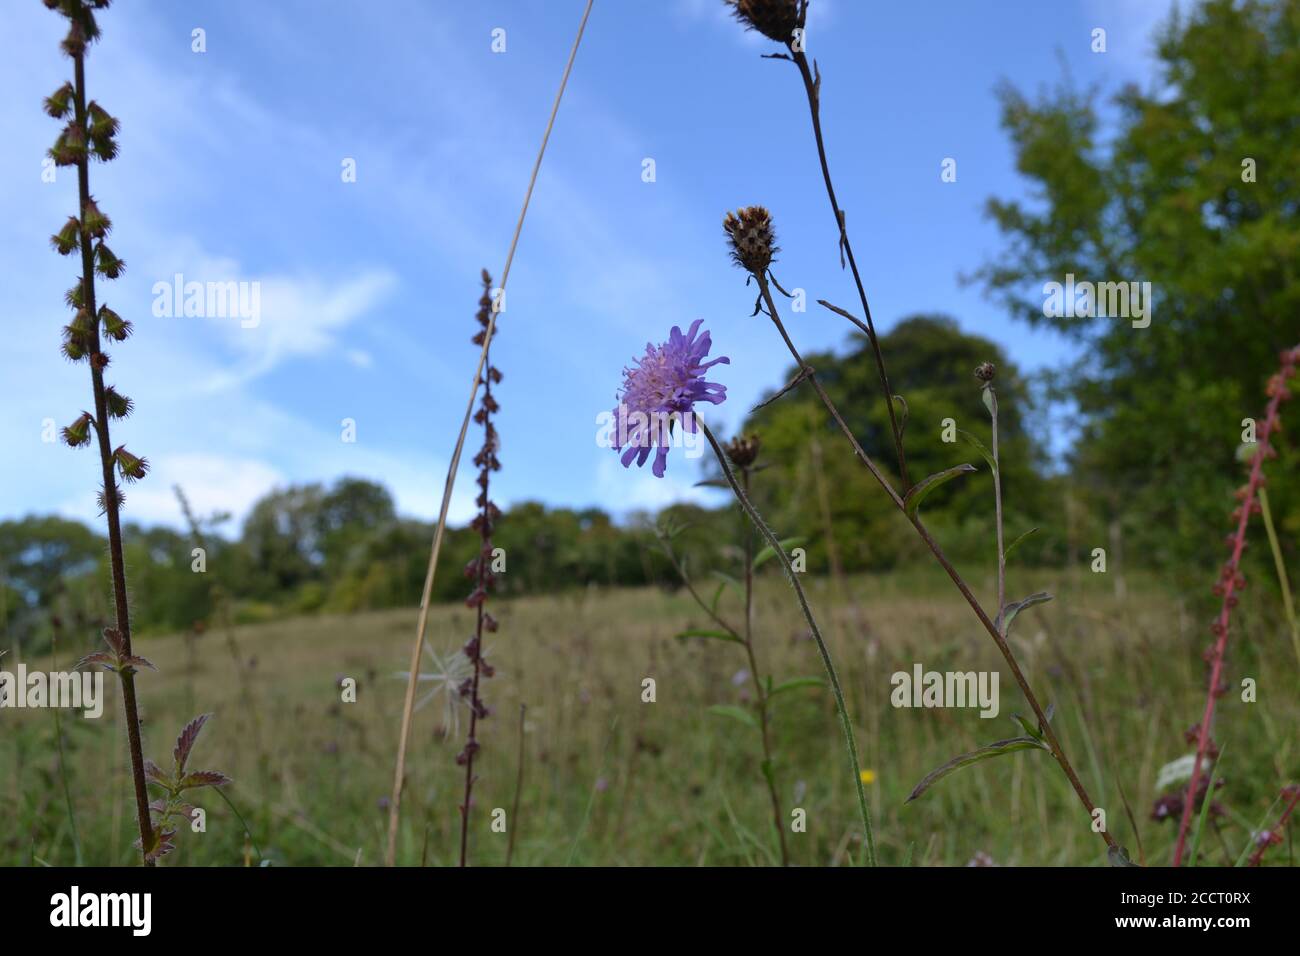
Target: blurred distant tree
1195 189
809 481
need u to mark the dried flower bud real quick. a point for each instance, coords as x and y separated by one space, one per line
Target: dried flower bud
753 243
775 19
101 124
985 372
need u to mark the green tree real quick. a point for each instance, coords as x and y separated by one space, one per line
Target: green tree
1193 187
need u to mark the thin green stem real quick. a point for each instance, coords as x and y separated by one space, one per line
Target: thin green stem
1283 581
775 543
997 508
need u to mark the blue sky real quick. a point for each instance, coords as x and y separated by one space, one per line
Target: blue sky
230 170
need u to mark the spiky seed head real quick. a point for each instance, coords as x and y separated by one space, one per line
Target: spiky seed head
753 242
96 222
58 103
743 450
985 372
78 433
107 264
67 239
129 466
775 19
114 326
119 405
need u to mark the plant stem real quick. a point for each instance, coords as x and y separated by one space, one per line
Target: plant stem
845 723
1057 751
997 507
812 88
111 497
769 767
519 787
1283 581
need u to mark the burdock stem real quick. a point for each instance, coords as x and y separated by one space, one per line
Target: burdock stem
111 511
812 88
1057 751
845 723
769 768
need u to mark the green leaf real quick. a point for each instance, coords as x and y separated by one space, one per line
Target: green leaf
735 713
1118 856
767 553
903 413
1205 810
927 485
712 635
979 447
717 596
995 749
796 683
1028 726
1015 607
1013 545
990 400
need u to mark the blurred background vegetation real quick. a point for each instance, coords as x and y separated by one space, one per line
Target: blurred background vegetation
1153 416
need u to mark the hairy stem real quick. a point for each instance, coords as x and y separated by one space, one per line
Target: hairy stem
111 497
845 723
1057 751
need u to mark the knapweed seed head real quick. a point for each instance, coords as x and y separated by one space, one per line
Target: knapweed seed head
743 450
775 19
753 242
665 384
985 372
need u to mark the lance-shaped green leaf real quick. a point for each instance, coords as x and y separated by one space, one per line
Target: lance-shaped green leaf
1015 607
712 635
768 554
1029 728
995 749
795 683
927 485
735 713
980 447
1014 544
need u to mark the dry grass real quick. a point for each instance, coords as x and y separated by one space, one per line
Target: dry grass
614 781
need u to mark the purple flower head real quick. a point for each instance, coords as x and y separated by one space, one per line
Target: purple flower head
665 385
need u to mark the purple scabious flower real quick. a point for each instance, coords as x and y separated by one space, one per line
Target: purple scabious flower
664 385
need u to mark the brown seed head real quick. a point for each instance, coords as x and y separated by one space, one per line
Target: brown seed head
985 372
775 19
743 450
753 243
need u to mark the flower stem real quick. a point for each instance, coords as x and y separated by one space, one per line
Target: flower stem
1057 751
997 509
845 723
769 769
111 497
1283 581
813 88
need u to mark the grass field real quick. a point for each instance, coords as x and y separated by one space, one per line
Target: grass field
611 780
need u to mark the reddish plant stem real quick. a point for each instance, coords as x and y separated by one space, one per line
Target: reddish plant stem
1257 857
1231 582
111 502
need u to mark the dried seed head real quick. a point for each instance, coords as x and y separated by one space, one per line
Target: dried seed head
753 243
78 433
775 19
743 450
985 372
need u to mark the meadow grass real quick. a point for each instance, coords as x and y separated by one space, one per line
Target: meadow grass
614 781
